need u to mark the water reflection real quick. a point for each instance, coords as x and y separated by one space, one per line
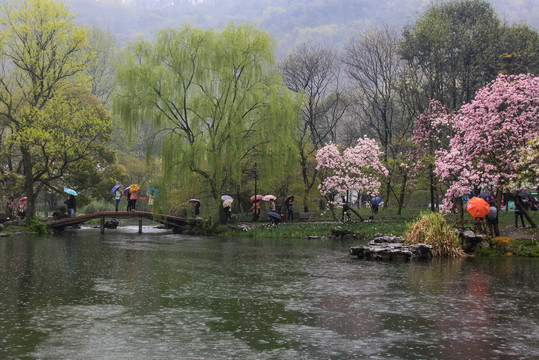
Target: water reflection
159 295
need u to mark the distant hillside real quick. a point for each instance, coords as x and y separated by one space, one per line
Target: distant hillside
291 22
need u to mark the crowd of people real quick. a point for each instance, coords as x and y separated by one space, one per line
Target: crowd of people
523 202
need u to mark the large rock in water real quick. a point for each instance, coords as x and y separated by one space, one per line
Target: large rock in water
111 223
470 239
388 247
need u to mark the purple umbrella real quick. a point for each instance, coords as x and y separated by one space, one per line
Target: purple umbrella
116 187
275 215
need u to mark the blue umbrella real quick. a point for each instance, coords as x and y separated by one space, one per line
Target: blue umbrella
126 191
226 197
70 191
377 200
153 192
116 187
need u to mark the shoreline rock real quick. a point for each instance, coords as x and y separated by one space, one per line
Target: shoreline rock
389 248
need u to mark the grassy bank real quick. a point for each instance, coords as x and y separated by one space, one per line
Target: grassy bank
300 230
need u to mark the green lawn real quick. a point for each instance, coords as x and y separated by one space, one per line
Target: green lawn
386 221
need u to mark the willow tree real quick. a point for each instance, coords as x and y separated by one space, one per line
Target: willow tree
48 123
213 98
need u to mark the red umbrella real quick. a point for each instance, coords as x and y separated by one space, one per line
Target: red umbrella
256 197
194 201
478 207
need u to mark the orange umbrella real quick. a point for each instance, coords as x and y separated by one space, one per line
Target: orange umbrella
478 207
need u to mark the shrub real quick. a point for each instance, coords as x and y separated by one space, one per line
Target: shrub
432 229
503 243
96 206
38 226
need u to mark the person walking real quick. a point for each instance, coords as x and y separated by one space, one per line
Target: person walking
345 209
197 208
518 213
71 205
492 222
133 200
272 205
289 207
256 210
117 197
228 213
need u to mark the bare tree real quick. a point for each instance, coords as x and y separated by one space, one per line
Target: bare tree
314 71
375 69
101 71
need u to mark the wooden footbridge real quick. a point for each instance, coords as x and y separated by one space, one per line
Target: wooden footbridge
174 222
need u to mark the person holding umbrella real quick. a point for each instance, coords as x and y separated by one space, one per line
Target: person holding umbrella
289 206
227 206
117 195
71 205
22 204
272 205
71 202
492 221
127 197
478 208
256 210
375 202
133 189
492 216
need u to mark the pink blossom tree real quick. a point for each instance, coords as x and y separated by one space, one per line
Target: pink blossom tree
356 168
489 133
528 165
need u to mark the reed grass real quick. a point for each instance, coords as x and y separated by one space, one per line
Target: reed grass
432 229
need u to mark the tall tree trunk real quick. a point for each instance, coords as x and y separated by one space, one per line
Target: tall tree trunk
306 182
433 201
402 194
388 193
29 185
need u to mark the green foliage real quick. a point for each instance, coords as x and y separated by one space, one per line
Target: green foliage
215 102
525 248
432 229
38 226
56 127
454 45
301 230
518 48
97 205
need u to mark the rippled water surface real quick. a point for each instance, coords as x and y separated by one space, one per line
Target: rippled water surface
121 295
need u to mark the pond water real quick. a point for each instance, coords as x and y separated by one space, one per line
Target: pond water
121 295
